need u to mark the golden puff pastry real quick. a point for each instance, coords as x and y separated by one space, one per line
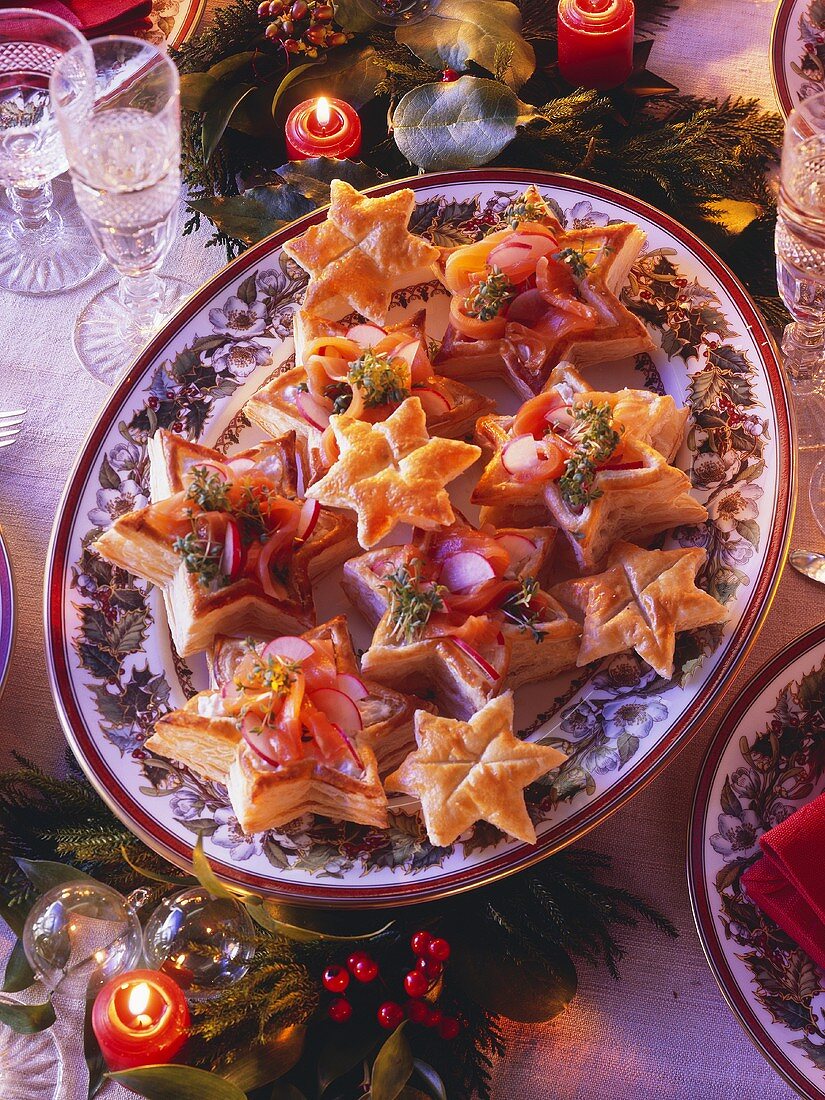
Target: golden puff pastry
571 313
466 643
359 252
302 399
641 601
516 496
219 581
464 772
202 739
392 473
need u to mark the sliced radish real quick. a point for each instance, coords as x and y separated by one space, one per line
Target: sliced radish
559 416
312 410
353 687
310 511
290 647
351 749
485 666
407 351
464 571
339 708
240 466
517 258
230 691
213 469
366 336
433 403
258 739
519 547
520 453
232 556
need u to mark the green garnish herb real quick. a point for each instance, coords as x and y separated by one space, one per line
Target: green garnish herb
411 602
207 490
522 211
201 556
488 297
377 379
595 440
517 608
575 260
273 674
340 394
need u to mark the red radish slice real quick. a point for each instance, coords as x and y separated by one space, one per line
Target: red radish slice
232 556
351 749
310 511
464 571
353 687
257 739
517 258
312 411
366 336
339 708
290 647
407 351
240 466
213 469
518 547
230 691
488 670
520 453
499 638
433 403
560 416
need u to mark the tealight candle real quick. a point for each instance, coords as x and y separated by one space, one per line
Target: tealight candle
323 128
140 1019
596 42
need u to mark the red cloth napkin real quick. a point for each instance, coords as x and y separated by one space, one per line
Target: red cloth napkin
788 882
93 17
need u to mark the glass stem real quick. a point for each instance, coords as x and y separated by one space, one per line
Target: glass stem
141 297
32 205
802 347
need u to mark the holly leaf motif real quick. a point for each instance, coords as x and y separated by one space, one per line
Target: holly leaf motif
811 693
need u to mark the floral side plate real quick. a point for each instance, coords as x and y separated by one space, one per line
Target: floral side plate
767 760
112 667
798 51
175 21
7 613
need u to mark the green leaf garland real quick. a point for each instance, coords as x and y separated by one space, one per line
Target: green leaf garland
176 1083
27 1019
463 124
393 1066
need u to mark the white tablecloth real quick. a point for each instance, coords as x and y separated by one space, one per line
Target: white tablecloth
664 1030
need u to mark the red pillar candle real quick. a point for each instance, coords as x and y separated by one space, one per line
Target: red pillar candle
140 1019
323 128
596 42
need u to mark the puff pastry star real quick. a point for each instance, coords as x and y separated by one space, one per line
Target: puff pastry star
235 596
641 601
360 250
392 472
546 333
464 772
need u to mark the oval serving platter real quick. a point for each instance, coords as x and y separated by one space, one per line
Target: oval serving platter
744 788
110 662
797 51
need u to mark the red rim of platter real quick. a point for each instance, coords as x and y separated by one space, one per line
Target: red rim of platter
786 15
701 904
586 817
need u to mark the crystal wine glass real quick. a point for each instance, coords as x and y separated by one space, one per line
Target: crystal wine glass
119 112
45 247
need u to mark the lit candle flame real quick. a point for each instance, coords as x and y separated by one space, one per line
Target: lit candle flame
138 999
322 111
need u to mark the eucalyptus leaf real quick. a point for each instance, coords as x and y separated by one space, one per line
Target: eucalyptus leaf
231 66
459 125
197 90
392 1067
177 1083
312 177
253 115
284 1091
523 989
238 216
290 78
14 916
262 1063
203 872
457 32
44 874
27 1019
19 974
155 876
219 115
351 73
257 909
354 16
433 1085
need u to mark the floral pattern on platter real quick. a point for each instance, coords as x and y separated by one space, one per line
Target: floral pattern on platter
601 720
760 779
810 65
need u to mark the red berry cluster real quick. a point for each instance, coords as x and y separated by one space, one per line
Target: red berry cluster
303 26
431 952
